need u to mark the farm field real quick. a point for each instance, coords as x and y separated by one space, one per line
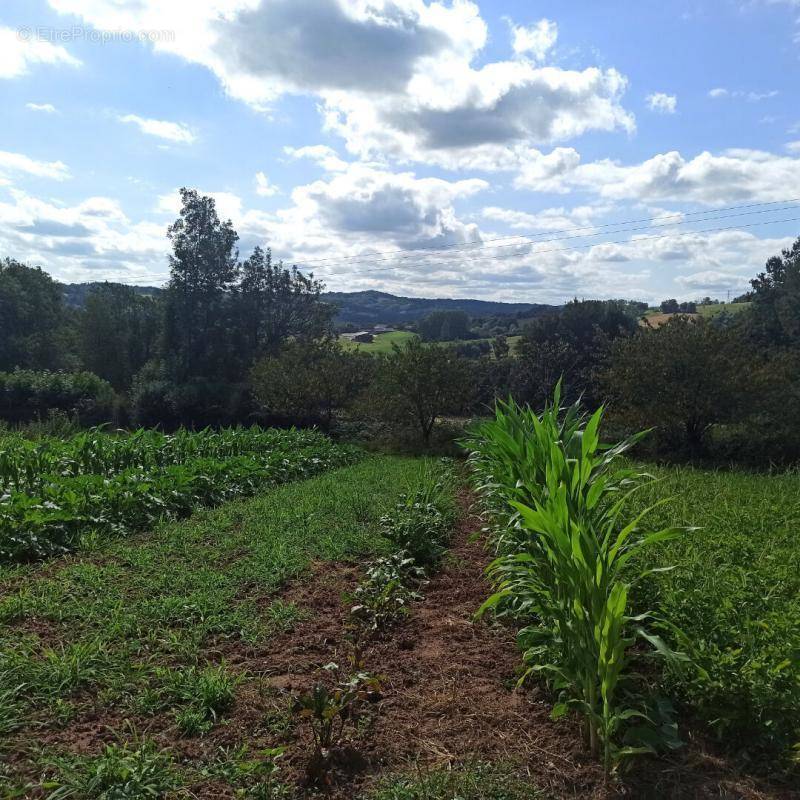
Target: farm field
59 492
735 592
383 342
166 662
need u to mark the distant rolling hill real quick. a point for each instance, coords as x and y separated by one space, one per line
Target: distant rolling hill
366 308
372 308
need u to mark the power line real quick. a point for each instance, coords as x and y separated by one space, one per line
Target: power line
411 252
597 244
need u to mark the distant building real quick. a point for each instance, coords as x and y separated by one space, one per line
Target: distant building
382 329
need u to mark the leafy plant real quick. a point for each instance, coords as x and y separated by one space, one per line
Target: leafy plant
563 559
384 596
120 772
327 709
421 522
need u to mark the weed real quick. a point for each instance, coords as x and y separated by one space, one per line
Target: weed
120 772
384 596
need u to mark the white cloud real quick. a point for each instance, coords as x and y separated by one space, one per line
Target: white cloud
46 108
229 205
263 186
396 78
731 176
534 40
325 156
752 97
171 131
19 50
90 240
793 147
19 163
549 219
662 103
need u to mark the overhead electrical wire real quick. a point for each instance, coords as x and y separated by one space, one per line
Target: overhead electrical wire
589 244
601 229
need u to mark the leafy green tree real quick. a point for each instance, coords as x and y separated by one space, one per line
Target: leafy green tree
274 303
203 272
418 383
118 333
309 381
445 326
683 377
775 311
32 318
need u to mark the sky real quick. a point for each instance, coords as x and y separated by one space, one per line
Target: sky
511 150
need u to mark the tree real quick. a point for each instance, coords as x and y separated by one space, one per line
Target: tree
445 326
418 383
684 377
669 306
276 303
203 271
32 317
775 312
573 344
118 333
310 381
500 347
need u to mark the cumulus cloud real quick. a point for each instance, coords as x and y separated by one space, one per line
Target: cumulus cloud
90 239
264 188
730 176
171 131
549 219
662 103
19 50
19 163
396 78
46 108
534 40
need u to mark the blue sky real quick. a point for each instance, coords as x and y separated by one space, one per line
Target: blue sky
493 149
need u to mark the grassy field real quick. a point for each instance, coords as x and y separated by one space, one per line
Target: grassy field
381 344
736 594
718 308
136 629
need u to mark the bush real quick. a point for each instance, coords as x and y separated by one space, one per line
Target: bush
26 395
198 403
421 522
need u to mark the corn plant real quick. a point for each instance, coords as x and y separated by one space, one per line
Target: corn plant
563 563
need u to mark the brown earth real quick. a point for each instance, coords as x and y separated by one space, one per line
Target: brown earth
448 699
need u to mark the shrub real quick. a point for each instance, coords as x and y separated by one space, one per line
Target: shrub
26 395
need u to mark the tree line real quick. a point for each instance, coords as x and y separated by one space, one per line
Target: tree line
241 340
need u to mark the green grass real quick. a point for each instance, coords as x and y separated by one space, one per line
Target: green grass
736 594
133 625
717 308
479 782
381 344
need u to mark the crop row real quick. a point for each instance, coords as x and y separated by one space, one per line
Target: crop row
565 542
56 494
